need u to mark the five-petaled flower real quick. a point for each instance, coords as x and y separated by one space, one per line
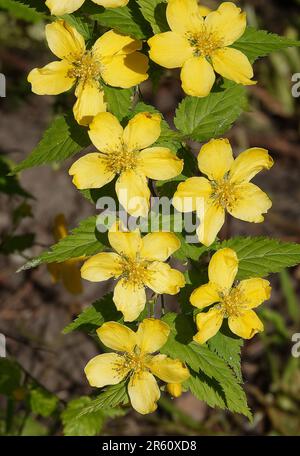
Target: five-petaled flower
235 303
61 7
113 57
139 263
228 187
136 361
126 153
202 46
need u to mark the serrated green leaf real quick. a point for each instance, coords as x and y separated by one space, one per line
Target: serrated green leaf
61 140
204 118
154 11
88 425
206 389
112 397
228 347
10 378
186 251
35 4
42 402
259 43
118 100
82 241
79 24
95 315
21 11
260 256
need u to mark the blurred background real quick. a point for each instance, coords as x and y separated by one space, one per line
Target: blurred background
33 310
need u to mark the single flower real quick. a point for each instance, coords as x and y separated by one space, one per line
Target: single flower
228 188
138 263
68 272
232 302
126 153
202 46
135 362
60 7
113 58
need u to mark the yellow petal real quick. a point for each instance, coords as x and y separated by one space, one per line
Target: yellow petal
223 268
133 193
125 70
143 392
152 334
204 10
228 22
127 243
163 279
52 79
114 43
101 267
159 163
215 158
142 131
204 296
249 163
129 299
184 16
71 277
246 326
64 41
61 7
60 229
208 325
197 77
90 171
54 270
190 195
111 3
250 204
234 65
174 389
90 101
167 369
212 218
105 370
105 132
117 337
169 49
256 291
159 246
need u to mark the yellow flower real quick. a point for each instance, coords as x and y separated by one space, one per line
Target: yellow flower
126 153
136 361
60 7
113 57
201 46
235 303
68 271
139 263
174 389
228 188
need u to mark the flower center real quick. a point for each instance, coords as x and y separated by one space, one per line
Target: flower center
224 193
134 271
121 160
204 42
233 304
85 68
134 361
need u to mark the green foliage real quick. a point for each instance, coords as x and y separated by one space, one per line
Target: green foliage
61 140
260 256
95 315
10 184
112 397
259 43
154 11
10 378
22 10
118 100
81 26
16 243
35 4
42 402
82 241
204 118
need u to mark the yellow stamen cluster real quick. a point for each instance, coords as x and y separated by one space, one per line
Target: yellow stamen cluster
204 42
233 303
121 160
224 194
134 271
86 68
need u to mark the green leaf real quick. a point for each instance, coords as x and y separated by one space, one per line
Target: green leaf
127 19
228 347
82 241
118 100
20 11
17 243
112 397
35 4
202 360
78 23
204 118
88 425
10 184
95 315
259 43
61 140
10 378
260 256
42 402
154 11
186 251
33 428
206 389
